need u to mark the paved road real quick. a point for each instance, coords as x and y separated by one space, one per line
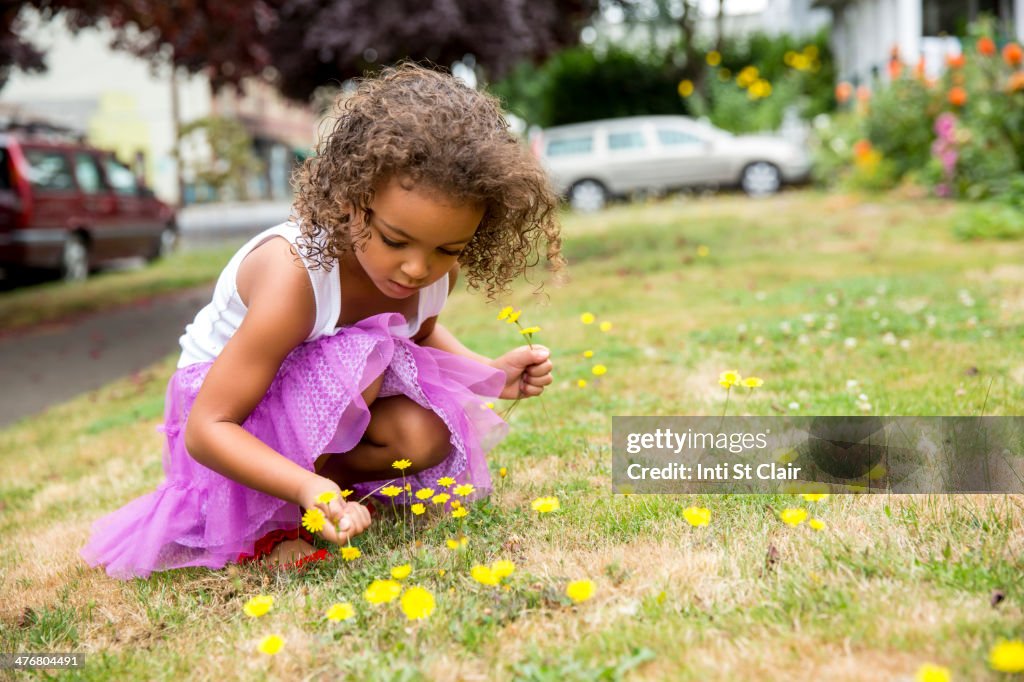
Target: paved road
54 363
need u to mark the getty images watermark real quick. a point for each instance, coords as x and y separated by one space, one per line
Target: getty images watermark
818 454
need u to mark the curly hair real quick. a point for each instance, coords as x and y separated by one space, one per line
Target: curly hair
427 126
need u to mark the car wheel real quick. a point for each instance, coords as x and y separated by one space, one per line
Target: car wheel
761 179
588 196
166 244
74 261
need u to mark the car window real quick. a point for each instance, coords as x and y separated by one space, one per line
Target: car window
672 137
5 169
49 171
570 145
625 139
88 174
120 177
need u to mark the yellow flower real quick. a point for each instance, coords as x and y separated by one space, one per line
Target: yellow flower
514 317
752 382
580 590
270 645
502 568
483 575
417 603
587 318
441 572
456 504
382 591
814 497
258 605
505 312
714 58
401 464
463 490
929 672
729 377
424 493
391 490
345 493
793 516
407 487
313 520
339 612
529 330
599 370
703 251
418 509
1007 656
350 553
459 513
582 383
440 498
697 516
401 572
588 353
326 498
544 505
489 405
605 326
685 87
445 481
503 472
816 524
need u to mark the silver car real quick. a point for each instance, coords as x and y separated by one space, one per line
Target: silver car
591 162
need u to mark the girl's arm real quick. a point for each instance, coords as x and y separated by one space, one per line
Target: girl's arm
280 313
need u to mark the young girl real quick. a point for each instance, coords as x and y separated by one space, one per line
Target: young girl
320 360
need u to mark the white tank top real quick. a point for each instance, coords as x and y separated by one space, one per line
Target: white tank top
218 321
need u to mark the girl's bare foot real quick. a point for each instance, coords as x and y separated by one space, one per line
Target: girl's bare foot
289 551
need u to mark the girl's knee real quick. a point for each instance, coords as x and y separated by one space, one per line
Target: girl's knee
424 438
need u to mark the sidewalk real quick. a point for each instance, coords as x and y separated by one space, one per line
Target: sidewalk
203 224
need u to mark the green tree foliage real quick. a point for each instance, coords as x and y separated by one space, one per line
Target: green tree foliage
232 161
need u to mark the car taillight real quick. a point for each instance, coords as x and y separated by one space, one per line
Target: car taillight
537 144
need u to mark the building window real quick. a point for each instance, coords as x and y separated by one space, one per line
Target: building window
945 17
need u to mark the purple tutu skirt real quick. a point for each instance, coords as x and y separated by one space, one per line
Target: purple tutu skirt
197 517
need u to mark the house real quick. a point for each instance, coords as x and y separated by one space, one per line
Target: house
866 33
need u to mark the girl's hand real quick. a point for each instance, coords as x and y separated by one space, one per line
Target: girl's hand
527 371
345 520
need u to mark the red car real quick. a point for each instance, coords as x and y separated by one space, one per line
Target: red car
70 207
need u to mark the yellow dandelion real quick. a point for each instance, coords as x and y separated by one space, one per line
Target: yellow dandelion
714 58
464 489
350 553
345 493
313 520
339 612
418 509
456 504
382 591
580 590
703 251
258 605
587 318
441 572
489 405
424 493
440 498
697 516
599 370
793 516
514 317
270 645
446 481
417 603
582 383
814 497
816 524
401 572
529 330
685 87
459 513
407 487
605 326
390 490
326 498
502 568
753 382
588 353
505 312
455 543
1007 656
401 464
483 575
729 377
503 472
929 672
543 505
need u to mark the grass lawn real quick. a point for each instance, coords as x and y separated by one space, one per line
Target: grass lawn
55 301
842 305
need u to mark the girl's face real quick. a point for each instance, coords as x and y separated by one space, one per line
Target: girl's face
414 237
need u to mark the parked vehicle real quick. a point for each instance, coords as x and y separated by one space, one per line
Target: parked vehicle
589 163
70 207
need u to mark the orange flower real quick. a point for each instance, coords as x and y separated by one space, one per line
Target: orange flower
956 61
957 96
1013 54
986 46
863 93
895 68
843 92
1016 82
861 148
